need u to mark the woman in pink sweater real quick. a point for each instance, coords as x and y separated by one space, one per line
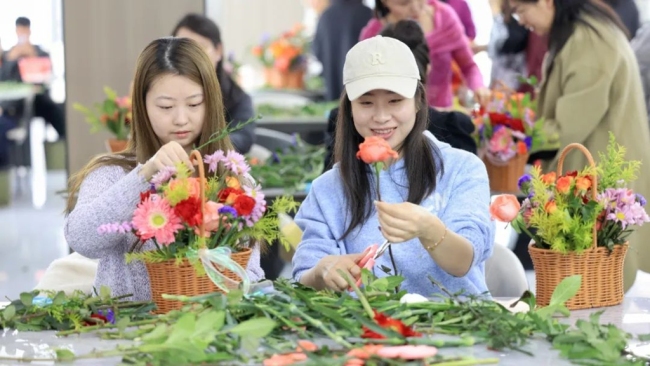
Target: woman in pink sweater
446 40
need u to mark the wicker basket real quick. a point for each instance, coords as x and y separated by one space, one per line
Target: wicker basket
504 178
172 279
169 278
601 270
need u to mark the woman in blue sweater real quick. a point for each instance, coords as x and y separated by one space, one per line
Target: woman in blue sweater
435 199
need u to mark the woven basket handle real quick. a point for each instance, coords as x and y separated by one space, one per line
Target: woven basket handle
196 159
594 179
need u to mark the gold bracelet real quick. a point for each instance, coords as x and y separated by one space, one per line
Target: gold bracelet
434 246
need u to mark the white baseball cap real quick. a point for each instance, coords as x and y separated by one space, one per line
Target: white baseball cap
380 63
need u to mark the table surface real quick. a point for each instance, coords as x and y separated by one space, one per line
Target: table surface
14 91
633 316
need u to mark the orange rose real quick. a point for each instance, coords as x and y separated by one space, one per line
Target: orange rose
583 183
505 207
550 207
374 150
549 178
563 184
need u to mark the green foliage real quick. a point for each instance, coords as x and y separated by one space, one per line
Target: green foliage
58 311
112 114
613 169
290 169
320 109
237 328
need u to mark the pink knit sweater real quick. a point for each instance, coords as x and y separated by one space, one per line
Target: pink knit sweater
447 43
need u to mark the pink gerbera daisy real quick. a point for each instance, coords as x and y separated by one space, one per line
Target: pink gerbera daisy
155 218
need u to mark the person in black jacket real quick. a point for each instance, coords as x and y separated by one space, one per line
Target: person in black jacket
237 104
43 104
337 31
454 128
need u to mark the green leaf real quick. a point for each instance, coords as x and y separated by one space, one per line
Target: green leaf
210 322
9 312
183 328
157 336
105 292
59 299
27 298
566 289
122 324
258 327
63 354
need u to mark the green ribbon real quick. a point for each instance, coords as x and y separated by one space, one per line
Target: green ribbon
216 260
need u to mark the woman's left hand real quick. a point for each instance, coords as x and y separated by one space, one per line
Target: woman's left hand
482 96
404 221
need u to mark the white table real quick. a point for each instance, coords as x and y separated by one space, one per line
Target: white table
633 316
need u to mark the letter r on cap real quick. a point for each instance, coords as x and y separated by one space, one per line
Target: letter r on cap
377 58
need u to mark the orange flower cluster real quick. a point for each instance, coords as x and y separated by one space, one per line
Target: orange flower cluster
285 52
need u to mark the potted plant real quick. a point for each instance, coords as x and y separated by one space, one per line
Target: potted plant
579 223
507 130
113 114
284 58
200 226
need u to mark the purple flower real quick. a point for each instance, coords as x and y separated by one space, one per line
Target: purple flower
266 36
163 176
641 199
528 141
276 158
523 182
109 314
113 228
227 210
236 163
214 160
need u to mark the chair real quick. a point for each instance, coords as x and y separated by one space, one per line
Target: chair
504 273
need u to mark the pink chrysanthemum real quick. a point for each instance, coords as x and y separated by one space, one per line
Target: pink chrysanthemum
236 163
214 160
163 176
260 204
155 218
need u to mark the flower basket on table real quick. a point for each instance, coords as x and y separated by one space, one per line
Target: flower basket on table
114 114
579 223
284 58
202 229
507 131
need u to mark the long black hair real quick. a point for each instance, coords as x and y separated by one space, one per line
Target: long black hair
202 25
420 163
568 13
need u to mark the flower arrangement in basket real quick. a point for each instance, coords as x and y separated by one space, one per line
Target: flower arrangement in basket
507 130
113 114
579 223
284 58
201 225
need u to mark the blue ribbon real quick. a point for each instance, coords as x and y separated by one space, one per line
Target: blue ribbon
216 260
